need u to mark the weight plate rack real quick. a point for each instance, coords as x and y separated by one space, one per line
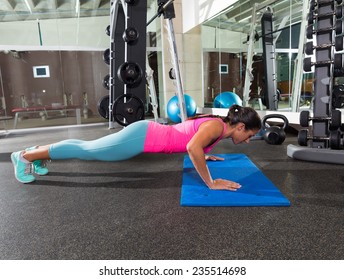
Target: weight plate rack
126 58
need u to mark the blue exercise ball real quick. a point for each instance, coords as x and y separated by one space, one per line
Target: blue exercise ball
227 99
173 110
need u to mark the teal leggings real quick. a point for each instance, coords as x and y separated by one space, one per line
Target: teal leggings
122 145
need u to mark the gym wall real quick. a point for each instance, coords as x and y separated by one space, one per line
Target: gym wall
216 82
71 72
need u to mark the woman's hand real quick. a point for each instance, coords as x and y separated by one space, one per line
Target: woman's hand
221 184
213 158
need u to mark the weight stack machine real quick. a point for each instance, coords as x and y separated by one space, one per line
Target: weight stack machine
323 141
269 96
126 58
270 93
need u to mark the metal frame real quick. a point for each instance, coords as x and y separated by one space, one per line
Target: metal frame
122 16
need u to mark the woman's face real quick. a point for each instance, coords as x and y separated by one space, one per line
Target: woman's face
243 135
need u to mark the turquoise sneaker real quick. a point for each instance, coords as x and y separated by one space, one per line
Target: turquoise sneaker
39 166
22 170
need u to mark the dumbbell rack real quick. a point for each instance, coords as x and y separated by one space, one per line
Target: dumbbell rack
323 142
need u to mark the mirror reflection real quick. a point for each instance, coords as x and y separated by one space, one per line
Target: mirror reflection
53 61
67 41
234 59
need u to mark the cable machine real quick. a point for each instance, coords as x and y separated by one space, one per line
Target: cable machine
266 21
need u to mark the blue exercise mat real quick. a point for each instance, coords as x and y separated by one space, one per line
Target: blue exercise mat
256 189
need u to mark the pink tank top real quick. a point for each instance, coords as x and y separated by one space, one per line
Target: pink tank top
174 138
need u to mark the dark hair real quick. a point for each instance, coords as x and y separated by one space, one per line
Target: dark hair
246 115
238 114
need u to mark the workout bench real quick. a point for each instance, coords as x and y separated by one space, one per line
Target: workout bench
45 110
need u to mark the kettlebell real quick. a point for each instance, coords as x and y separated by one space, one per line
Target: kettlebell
274 135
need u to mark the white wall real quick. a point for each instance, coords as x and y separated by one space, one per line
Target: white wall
83 33
196 12
215 38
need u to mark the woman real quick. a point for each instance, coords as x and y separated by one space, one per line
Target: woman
196 136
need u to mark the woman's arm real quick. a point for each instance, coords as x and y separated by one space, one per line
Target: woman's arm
207 133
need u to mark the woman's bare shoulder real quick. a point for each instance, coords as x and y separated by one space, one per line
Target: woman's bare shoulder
212 126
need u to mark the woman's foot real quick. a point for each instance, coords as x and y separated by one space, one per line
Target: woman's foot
22 168
39 166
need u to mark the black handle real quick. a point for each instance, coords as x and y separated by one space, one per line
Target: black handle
276 116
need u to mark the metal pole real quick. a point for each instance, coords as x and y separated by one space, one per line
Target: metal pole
152 90
113 21
297 79
175 61
248 73
39 33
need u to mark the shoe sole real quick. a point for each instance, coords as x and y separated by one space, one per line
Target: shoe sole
41 174
15 172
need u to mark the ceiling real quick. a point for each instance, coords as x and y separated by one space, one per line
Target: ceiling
235 18
238 17
21 10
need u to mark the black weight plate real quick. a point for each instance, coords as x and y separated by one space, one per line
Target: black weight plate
128 109
336 119
130 73
310 17
302 137
339 12
107 30
335 139
106 82
172 74
309 48
339 27
338 96
130 35
339 43
338 61
106 56
309 31
307 64
304 118
103 107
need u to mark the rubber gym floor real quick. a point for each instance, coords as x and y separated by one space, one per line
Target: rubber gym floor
131 210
